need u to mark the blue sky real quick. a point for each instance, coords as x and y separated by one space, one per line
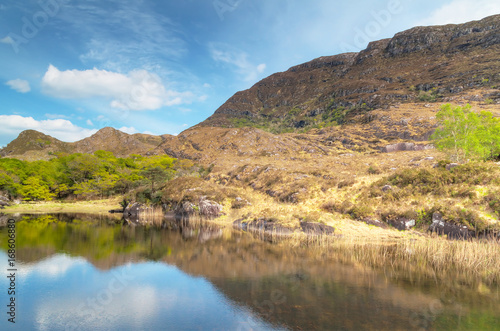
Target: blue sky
69 68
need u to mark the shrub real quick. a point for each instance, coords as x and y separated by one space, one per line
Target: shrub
374 170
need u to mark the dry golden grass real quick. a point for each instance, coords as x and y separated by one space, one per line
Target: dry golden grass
91 206
151 215
470 261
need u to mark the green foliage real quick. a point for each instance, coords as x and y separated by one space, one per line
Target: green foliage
374 170
35 189
465 134
86 175
427 96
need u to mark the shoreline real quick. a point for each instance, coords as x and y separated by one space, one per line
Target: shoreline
352 242
42 207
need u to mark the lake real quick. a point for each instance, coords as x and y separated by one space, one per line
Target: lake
84 272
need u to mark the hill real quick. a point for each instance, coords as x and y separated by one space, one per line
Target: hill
34 145
385 94
435 63
311 143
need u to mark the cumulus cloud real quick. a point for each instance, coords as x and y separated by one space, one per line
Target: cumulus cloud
19 85
237 59
53 266
61 129
129 130
138 90
461 11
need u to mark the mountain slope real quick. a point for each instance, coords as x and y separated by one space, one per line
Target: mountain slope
381 95
423 63
34 145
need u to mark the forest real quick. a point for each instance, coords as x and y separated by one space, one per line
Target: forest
86 176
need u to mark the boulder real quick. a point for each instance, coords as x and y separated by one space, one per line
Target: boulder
386 188
262 225
450 166
455 231
402 223
4 201
209 208
186 208
132 209
239 203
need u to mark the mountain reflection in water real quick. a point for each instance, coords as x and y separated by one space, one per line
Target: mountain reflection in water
88 272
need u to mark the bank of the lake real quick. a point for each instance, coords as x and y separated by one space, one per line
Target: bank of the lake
41 207
229 280
474 261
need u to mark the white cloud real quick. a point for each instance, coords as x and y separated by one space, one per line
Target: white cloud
139 90
20 85
61 129
56 116
53 266
89 122
461 11
129 130
236 58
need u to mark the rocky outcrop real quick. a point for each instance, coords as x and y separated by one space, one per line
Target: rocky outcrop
438 59
270 230
4 202
455 231
402 223
209 208
132 210
205 207
446 39
186 208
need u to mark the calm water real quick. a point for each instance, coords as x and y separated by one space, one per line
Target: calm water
78 272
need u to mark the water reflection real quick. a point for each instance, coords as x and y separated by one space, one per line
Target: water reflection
99 273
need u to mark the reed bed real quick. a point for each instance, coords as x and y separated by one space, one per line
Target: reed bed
151 215
468 261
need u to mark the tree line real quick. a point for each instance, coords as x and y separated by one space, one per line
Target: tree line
83 176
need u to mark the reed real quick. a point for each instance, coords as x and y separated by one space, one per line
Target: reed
151 215
471 261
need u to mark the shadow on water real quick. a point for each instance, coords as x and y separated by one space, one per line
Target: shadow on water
296 288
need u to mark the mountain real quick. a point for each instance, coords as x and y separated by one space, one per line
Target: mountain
365 102
422 63
34 145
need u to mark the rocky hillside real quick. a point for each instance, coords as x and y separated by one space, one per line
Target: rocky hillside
433 63
374 100
34 145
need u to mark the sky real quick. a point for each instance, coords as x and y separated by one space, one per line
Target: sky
69 68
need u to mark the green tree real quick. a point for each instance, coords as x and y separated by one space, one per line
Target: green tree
156 175
83 167
35 189
466 134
